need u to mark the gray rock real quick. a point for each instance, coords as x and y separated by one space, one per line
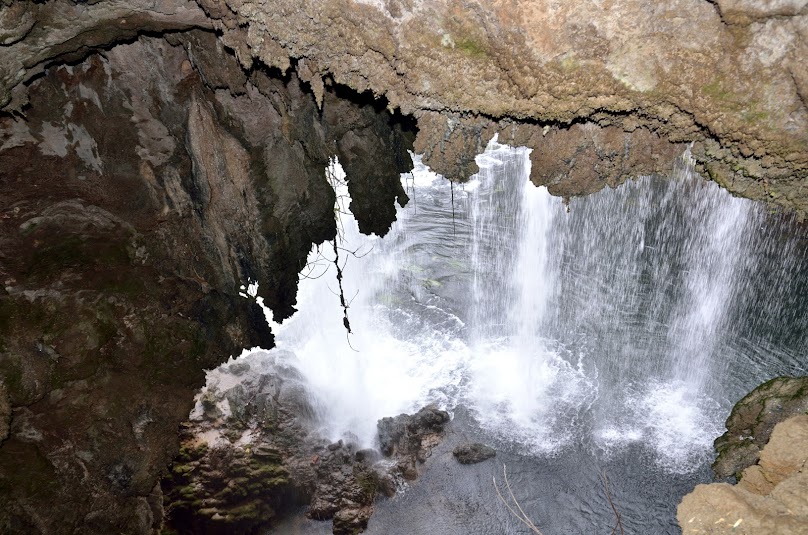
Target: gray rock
407 434
473 453
239 368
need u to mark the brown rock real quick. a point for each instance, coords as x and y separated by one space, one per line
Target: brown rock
752 420
5 413
729 76
771 497
136 200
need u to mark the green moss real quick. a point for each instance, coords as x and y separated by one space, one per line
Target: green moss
753 116
188 492
716 91
368 482
569 63
269 470
471 47
192 452
182 469
253 510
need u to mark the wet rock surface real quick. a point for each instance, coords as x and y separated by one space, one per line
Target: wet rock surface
752 420
770 498
143 183
473 453
250 456
686 71
142 188
728 76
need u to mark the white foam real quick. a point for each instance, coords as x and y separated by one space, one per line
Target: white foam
491 352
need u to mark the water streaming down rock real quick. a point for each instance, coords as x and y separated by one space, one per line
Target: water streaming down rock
520 385
605 326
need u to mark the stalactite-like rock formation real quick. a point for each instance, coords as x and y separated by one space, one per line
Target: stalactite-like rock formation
727 75
143 187
155 155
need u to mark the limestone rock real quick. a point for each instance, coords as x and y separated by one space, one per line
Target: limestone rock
473 453
727 75
686 71
771 497
752 420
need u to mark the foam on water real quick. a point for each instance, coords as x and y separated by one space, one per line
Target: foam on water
606 325
676 422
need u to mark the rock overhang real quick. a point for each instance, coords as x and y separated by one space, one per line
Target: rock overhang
727 77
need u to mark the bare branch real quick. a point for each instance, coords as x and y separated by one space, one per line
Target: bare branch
619 523
521 516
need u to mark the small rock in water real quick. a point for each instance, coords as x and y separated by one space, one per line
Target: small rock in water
473 453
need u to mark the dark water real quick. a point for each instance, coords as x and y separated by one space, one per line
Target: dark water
613 335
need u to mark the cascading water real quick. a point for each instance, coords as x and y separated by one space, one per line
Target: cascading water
520 385
634 317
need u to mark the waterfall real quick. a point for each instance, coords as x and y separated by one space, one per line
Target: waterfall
609 324
521 386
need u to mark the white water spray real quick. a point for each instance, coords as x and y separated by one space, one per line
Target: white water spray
602 326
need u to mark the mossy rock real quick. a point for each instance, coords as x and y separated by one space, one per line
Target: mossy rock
368 483
752 420
222 489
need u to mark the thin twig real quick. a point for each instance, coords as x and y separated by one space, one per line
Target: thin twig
619 523
521 516
508 486
454 229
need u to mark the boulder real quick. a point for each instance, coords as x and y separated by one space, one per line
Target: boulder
412 436
770 498
473 453
752 420
350 521
250 455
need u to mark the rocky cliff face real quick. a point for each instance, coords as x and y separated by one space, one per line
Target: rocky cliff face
621 76
752 420
149 167
143 187
766 449
251 455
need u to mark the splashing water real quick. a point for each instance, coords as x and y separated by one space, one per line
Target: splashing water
609 325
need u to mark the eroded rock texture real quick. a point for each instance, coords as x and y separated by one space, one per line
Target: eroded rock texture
251 455
752 420
729 75
632 79
144 185
770 497
144 179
